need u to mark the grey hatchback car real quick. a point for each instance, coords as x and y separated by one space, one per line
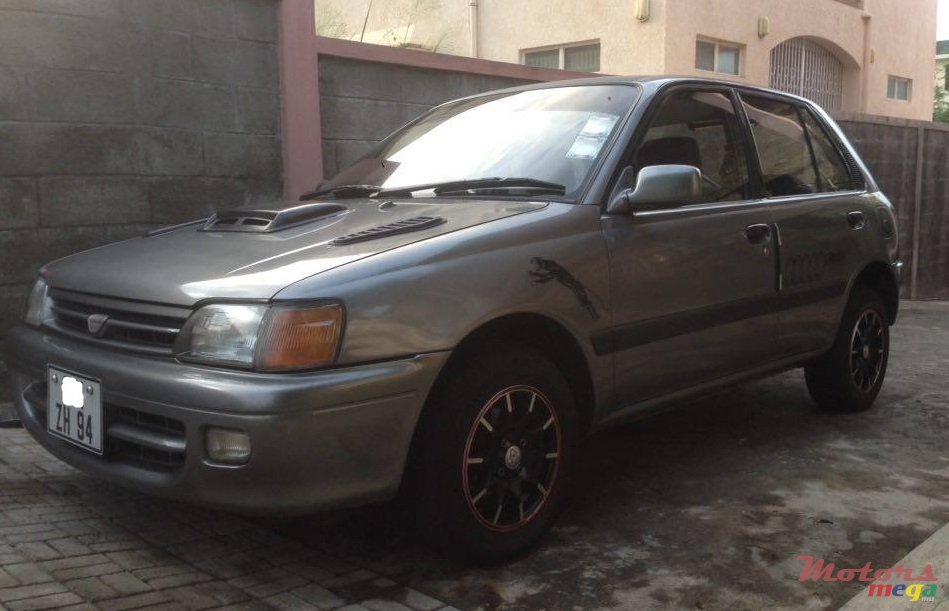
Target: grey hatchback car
443 321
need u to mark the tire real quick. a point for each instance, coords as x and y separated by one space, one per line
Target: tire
493 455
849 377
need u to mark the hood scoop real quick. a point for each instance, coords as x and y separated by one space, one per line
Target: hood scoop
256 220
417 223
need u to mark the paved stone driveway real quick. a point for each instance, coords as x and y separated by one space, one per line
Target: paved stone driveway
68 540
703 508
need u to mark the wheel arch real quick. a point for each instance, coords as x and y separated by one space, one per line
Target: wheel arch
530 329
879 277
542 333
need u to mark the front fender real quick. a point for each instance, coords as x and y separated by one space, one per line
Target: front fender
428 296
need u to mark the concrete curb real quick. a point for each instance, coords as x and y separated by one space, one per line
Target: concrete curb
934 551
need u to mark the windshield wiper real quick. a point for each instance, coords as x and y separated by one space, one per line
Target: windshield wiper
342 191
477 184
493 183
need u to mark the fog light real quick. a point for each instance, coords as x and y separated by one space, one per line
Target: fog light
228 446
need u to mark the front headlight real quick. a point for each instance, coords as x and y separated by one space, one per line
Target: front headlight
38 307
270 338
224 334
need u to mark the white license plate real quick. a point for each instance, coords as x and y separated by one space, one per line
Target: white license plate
74 409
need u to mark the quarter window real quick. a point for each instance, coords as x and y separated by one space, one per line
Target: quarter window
787 166
832 172
700 129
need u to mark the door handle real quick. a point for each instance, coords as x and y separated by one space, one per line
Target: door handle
757 233
855 219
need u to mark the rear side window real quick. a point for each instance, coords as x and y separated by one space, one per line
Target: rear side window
832 172
701 129
787 166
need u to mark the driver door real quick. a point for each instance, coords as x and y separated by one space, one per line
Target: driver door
693 287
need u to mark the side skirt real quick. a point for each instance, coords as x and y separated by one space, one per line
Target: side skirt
673 400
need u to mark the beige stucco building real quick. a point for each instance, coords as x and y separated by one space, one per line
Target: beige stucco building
868 56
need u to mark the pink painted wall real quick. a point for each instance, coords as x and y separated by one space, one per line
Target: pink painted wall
300 51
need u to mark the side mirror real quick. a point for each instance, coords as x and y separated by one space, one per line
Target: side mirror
660 186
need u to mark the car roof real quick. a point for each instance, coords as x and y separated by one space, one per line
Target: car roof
652 84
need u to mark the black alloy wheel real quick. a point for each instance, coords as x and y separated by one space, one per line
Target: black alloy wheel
511 458
849 376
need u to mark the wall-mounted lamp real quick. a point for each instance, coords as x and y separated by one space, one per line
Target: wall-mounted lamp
764 27
642 10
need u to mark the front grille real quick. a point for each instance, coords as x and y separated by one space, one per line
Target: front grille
133 452
146 438
161 424
129 325
149 440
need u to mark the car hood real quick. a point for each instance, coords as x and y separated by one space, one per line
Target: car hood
188 264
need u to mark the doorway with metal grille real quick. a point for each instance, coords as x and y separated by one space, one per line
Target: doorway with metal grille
803 67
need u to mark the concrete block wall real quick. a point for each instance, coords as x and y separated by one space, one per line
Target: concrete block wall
891 149
362 102
117 116
933 277
890 152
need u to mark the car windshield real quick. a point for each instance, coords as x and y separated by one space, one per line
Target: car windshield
552 135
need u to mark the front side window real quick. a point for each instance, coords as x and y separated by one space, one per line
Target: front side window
700 129
553 134
787 167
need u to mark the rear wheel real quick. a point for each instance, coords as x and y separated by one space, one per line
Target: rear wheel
494 454
849 377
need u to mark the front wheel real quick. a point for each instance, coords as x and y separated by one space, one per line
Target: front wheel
494 454
849 377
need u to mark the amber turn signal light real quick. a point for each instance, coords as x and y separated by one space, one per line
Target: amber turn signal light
301 337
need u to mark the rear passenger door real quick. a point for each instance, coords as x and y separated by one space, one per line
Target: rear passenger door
819 211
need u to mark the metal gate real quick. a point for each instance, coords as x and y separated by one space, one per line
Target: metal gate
803 67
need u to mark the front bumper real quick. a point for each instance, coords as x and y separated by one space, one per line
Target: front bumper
319 440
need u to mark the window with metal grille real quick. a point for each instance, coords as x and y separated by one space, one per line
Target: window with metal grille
579 58
803 67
